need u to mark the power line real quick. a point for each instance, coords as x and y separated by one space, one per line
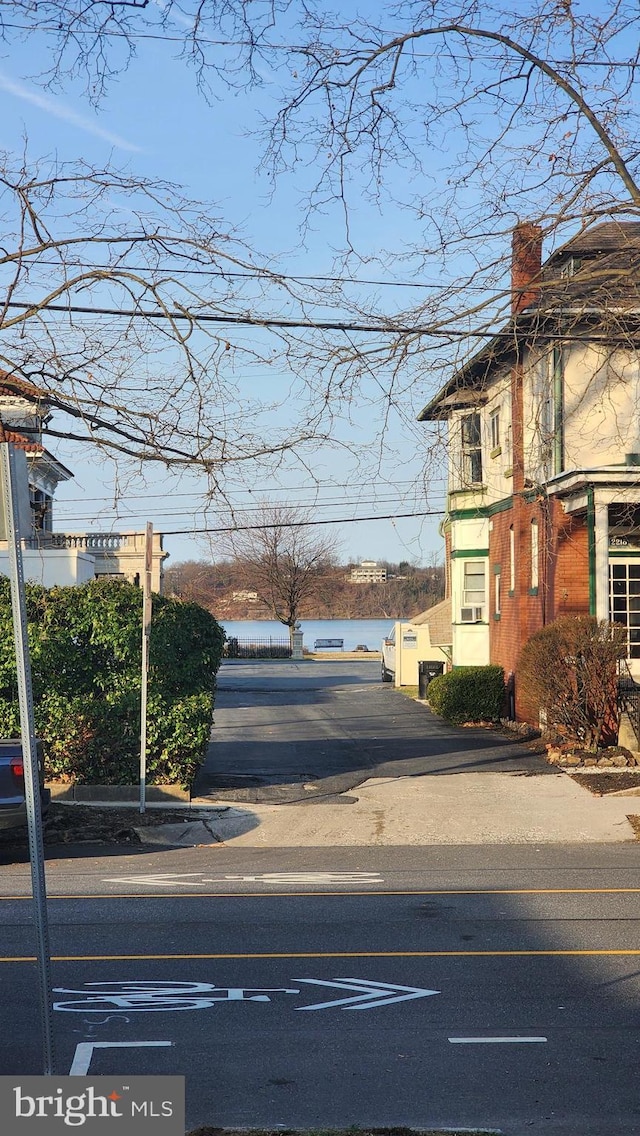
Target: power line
275 489
390 496
243 321
266 274
509 332
289 47
302 524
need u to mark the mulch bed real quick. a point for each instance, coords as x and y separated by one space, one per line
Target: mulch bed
610 782
84 824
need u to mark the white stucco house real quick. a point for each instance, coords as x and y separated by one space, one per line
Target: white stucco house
51 557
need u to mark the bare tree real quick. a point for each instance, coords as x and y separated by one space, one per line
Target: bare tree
467 114
135 314
285 560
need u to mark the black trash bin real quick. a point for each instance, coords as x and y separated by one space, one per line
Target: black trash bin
426 671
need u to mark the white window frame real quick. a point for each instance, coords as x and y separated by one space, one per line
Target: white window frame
471 449
494 427
512 559
535 554
474 596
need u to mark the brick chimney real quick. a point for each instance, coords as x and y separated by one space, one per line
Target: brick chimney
526 263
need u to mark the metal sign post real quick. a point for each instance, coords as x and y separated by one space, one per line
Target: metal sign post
8 484
146 632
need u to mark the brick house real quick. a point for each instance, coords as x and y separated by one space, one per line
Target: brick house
51 557
543 442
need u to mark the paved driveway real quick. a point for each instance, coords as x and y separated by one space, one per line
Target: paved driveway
281 725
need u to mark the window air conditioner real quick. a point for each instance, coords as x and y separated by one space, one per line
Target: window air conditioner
471 615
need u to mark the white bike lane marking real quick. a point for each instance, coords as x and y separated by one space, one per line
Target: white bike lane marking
196 879
84 1052
494 1040
155 996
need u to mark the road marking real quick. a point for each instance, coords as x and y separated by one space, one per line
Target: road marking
622 952
170 879
153 996
369 996
301 878
140 997
84 1052
320 894
493 1040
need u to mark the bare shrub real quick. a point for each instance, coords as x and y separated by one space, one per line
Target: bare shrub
569 671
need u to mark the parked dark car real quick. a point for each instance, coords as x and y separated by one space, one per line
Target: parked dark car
13 808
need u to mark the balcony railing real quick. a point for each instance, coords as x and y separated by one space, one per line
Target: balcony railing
131 542
92 542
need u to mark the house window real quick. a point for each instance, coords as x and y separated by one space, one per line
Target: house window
471 449
40 510
512 560
570 266
473 591
535 555
494 426
624 602
497 574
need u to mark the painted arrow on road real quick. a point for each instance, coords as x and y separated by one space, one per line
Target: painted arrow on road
129 997
370 994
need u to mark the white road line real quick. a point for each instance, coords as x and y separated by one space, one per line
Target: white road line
493 1040
84 1052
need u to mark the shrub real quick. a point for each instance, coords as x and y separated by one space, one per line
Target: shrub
85 645
468 694
569 671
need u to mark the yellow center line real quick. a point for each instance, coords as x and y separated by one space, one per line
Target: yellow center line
313 894
570 953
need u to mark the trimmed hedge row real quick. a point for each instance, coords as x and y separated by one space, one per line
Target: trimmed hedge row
85 646
468 694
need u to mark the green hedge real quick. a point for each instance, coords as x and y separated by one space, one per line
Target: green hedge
468 694
85 646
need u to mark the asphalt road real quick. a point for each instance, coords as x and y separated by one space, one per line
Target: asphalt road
520 969
279 726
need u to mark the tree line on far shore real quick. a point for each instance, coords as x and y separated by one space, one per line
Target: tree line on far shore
407 590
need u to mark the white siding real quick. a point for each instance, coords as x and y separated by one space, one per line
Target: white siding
55 566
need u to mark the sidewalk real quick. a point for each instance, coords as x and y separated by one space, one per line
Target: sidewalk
465 808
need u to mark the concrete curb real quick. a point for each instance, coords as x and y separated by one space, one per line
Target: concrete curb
117 794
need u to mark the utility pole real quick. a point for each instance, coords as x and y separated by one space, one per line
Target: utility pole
9 489
146 632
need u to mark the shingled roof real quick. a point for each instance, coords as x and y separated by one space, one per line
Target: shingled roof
438 619
12 385
595 273
20 441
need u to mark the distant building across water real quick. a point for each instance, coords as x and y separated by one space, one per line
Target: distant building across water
368 572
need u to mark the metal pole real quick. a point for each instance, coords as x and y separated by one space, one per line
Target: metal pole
146 631
8 480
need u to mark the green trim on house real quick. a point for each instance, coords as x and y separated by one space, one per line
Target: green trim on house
497 569
496 616
624 553
469 553
511 593
502 506
530 495
591 541
533 591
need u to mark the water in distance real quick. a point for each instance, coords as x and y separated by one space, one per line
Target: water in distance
354 632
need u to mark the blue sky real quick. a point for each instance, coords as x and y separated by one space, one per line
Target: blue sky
153 121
